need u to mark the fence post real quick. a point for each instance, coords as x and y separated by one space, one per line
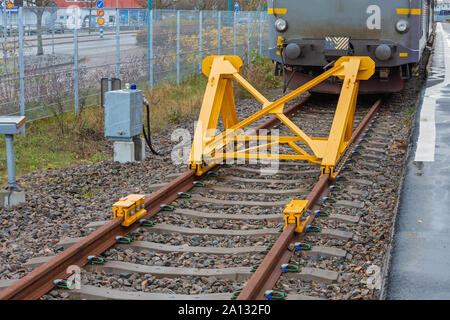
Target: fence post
248 36
219 26
21 67
234 33
260 32
117 44
5 36
150 46
178 47
53 36
75 67
200 40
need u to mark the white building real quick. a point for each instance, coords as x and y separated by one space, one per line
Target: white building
444 5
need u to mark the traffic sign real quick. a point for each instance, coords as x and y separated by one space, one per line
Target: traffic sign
100 12
236 6
100 4
101 21
9 5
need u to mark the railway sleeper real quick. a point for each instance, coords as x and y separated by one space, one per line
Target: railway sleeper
98 293
236 273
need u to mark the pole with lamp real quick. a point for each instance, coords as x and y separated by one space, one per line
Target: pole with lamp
229 13
150 41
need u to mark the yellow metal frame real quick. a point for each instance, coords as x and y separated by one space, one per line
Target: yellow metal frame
208 148
130 208
293 213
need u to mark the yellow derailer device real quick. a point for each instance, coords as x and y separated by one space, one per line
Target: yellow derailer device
209 148
293 214
130 208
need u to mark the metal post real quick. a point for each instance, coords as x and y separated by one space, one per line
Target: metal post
117 44
200 40
21 66
219 17
248 37
234 34
260 31
229 12
10 162
150 44
5 36
53 36
75 67
150 40
178 47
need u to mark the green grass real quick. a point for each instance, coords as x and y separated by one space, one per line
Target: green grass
408 116
47 145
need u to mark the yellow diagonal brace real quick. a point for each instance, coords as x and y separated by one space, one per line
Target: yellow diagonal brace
251 89
271 108
343 117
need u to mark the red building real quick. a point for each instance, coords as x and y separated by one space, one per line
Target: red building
108 3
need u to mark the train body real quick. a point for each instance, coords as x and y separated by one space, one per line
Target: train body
306 37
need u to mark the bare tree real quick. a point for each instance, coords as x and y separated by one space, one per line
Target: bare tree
91 4
38 7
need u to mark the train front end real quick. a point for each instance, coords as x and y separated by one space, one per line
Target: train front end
306 37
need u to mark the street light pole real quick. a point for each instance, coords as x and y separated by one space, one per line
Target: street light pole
229 13
150 41
117 40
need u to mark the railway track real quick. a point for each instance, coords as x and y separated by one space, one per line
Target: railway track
219 235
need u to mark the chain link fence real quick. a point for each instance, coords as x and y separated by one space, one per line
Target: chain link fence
75 52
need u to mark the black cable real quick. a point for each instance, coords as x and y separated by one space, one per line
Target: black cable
283 69
291 77
148 138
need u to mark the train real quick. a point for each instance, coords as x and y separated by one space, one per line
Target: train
306 37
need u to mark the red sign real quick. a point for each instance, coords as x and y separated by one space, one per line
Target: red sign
101 21
100 12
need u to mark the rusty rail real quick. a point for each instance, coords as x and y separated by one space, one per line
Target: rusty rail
269 271
40 280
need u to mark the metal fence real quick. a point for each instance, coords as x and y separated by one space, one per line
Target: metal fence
442 17
77 52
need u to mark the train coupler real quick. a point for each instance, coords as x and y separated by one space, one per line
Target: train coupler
293 214
131 208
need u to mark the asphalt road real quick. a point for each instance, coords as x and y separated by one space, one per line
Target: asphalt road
87 46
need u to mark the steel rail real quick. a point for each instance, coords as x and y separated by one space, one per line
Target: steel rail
40 281
269 271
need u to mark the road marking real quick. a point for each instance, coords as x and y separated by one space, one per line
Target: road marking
426 143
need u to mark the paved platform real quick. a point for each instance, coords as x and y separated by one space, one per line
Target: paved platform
420 263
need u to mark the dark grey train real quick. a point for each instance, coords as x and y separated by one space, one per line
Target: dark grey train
307 36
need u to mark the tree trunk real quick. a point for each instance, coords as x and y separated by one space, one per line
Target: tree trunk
40 48
90 15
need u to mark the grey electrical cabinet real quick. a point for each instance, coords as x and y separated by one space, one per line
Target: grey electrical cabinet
123 114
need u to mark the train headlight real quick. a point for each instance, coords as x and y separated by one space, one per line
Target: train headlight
281 25
402 26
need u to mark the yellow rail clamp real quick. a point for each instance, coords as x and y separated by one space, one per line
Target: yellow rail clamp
293 212
209 148
130 208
